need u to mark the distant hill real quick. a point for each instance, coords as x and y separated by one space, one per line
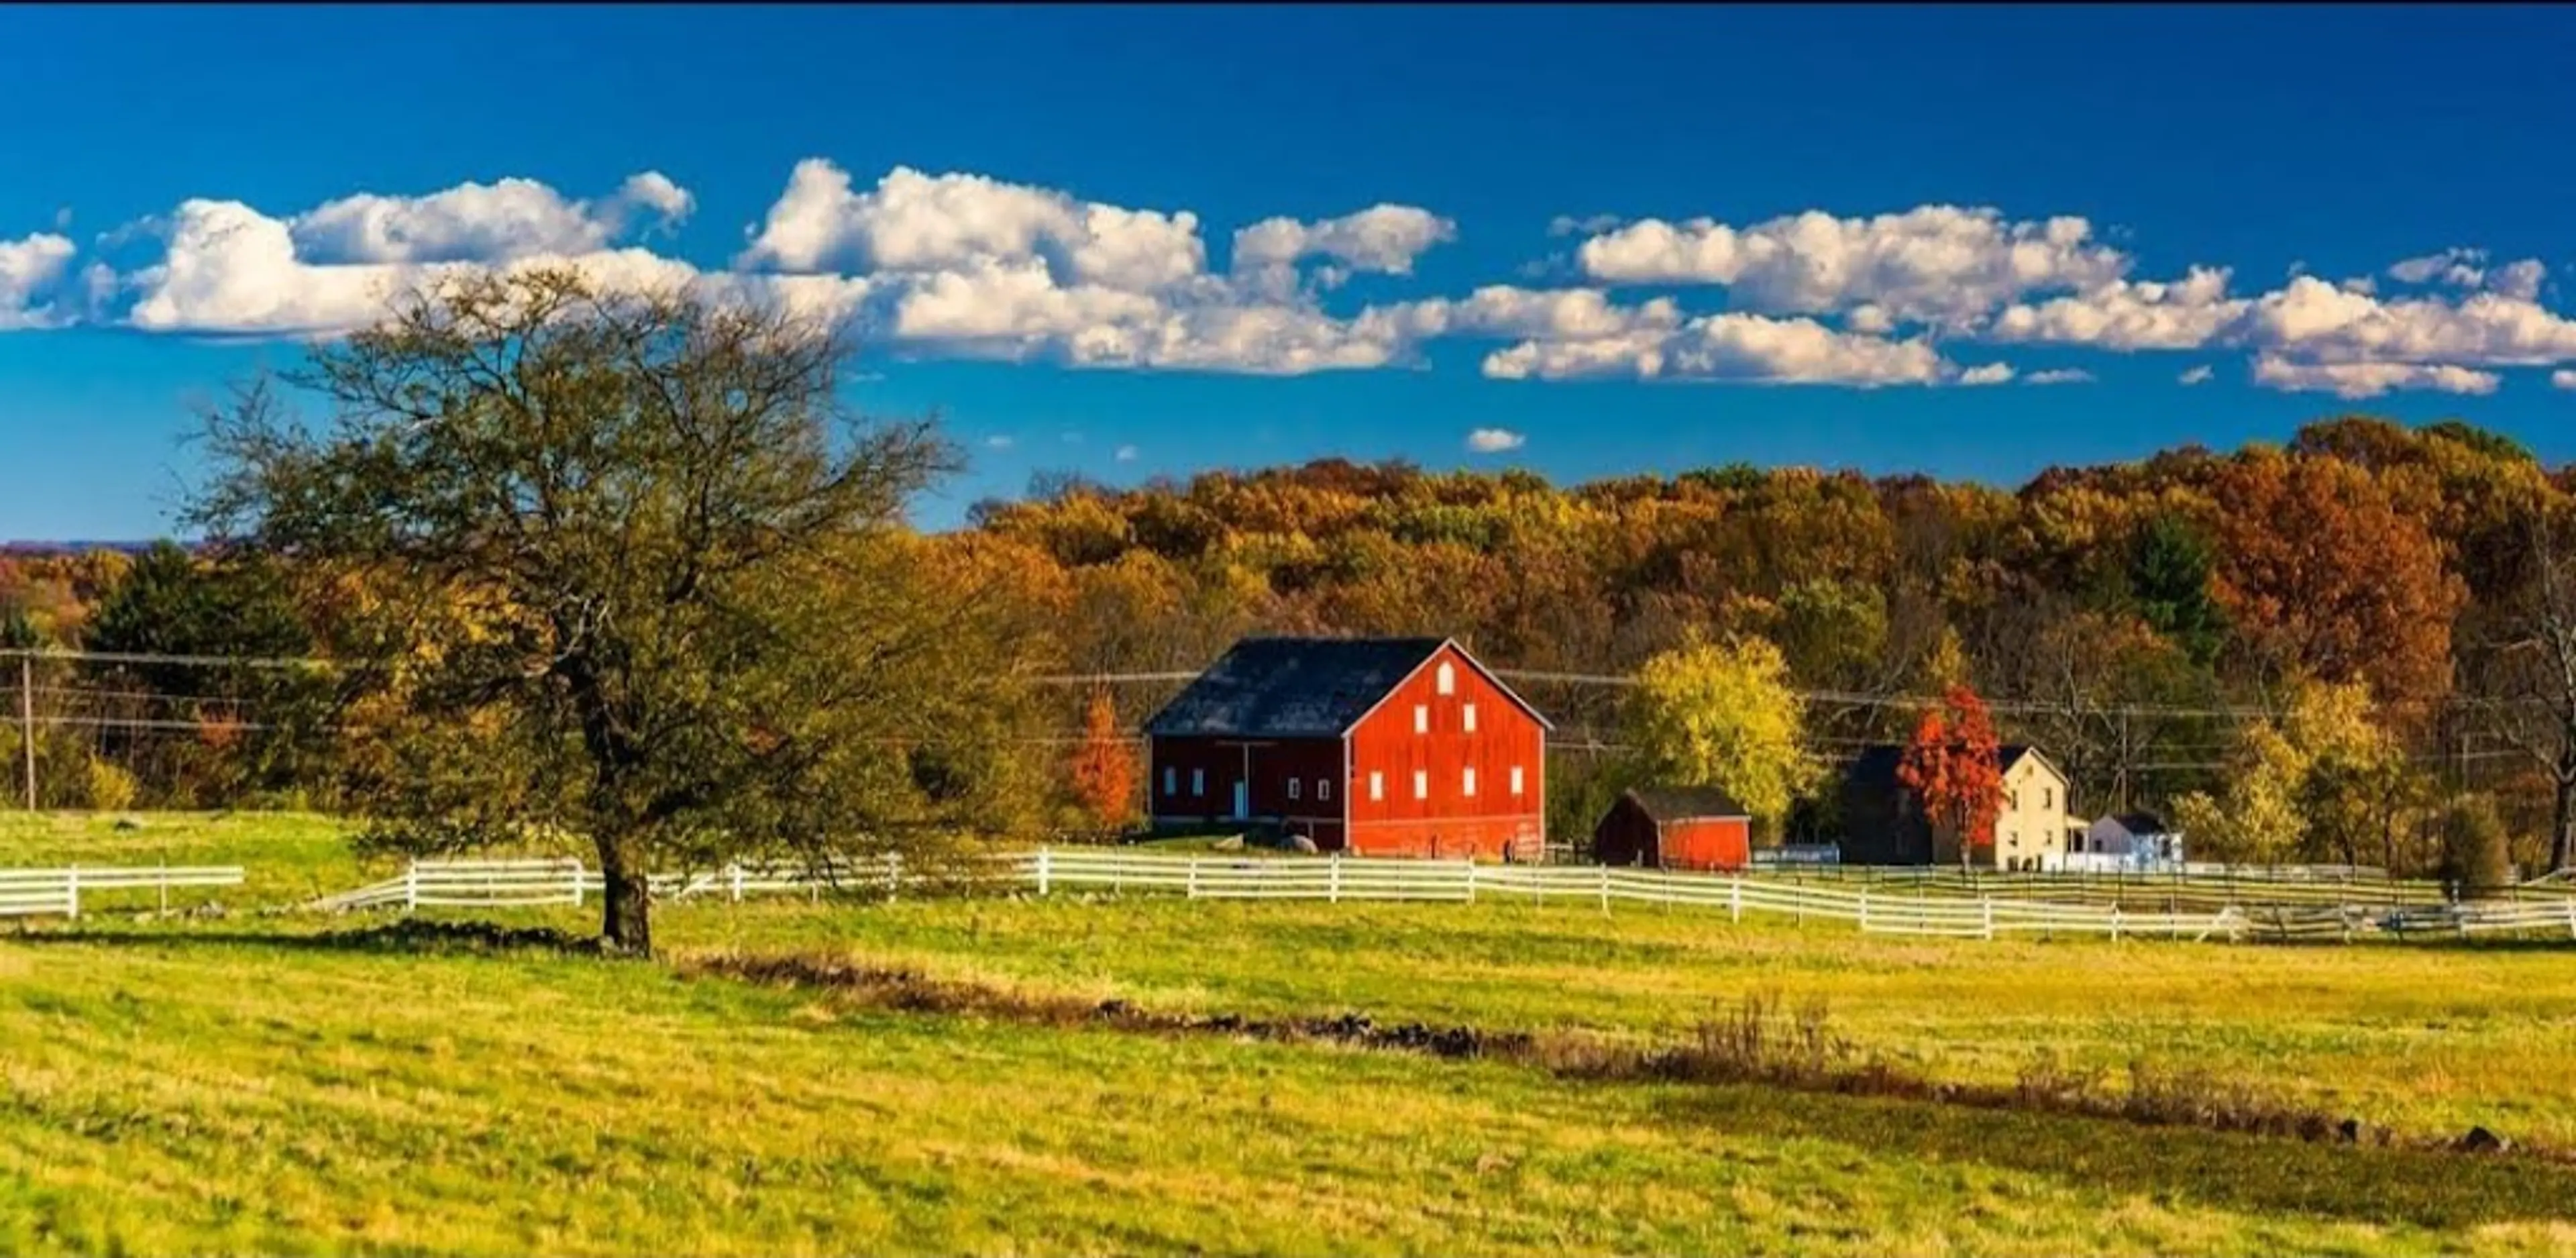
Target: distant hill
38 550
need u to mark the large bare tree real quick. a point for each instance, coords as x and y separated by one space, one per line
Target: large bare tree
2525 673
634 575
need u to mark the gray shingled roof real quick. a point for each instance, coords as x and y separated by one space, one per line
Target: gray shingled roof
1292 687
1877 763
1676 803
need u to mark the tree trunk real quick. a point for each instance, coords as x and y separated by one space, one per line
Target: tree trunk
626 903
2562 830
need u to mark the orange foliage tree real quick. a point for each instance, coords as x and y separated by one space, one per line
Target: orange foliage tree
1955 767
1104 769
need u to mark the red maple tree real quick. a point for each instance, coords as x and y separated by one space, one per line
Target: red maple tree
1104 769
1954 766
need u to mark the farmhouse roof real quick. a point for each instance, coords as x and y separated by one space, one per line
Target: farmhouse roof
1682 803
1301 687
1876 764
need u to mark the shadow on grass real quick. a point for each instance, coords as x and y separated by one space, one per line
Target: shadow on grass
407 936
2246 1173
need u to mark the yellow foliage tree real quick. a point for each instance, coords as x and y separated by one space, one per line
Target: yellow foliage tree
1722 714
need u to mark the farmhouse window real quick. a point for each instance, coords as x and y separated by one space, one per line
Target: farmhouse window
1516 780
1198 783
1448 678
1422 784
1292 788
1377 786
1171 780
1323 790
1469 787
1467 713
1422 718
2048 797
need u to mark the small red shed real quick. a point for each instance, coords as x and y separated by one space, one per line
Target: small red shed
1678 827
1372 746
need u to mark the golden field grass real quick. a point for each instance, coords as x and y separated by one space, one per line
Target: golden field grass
274 1083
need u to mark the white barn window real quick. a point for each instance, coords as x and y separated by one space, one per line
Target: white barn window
1422 783
1516 780
1292 788
1198 782
1468 787
1448 678
1467 714
1171 780
1422 718
1377 786
1323 790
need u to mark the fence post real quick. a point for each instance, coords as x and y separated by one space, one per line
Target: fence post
1194 879
2571 916
1044 871
733 880
165 884
1471 880
894 876
1990 917
2115 919
411 885
1605 889
1333 880
580 875
1864 910
1735 899
71 893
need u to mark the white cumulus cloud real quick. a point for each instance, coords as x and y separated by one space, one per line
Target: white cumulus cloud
1495 440
30 269
1124 454
1731 347
2061 375
1935 263
474 222
2197 375
2128 314
1989 373
1382 238
2369 379
2562 379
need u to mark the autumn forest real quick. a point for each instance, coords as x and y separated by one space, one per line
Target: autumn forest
2326 650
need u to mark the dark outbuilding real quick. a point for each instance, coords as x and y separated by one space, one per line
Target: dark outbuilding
1675 827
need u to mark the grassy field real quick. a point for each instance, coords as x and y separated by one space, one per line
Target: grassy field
270 1084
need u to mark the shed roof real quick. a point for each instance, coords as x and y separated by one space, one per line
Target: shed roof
1301 687
1682 803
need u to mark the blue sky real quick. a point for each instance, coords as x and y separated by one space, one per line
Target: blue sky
1690 321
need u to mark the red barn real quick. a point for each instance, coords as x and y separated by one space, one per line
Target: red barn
1691 827
1372 746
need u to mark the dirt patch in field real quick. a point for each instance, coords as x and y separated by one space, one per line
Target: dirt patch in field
1762 1042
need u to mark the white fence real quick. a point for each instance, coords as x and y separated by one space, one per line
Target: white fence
567 881
1917 909
47 892
1882 909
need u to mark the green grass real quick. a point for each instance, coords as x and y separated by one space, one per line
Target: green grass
260 1085
2430 1038
190 1092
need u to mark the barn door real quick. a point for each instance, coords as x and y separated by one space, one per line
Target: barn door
1242 798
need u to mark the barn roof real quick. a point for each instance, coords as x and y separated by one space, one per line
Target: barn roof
1300 687
1678 803
2141 823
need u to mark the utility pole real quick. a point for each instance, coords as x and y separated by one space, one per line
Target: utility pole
27 723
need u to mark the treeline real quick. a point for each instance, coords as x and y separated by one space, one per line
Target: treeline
2159 627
